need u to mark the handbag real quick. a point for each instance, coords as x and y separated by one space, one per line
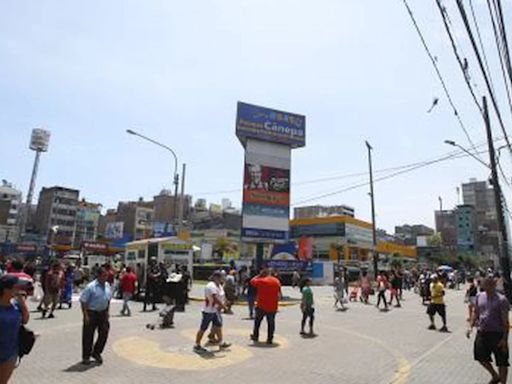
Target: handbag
26 341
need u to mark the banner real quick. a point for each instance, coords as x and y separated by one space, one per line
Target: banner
266 124
114 230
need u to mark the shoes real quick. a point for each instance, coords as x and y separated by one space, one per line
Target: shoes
302 333
51 316
398 306
443 329
97 357
199 349
86 361
225 345
432 327
254 338
269 342
43 313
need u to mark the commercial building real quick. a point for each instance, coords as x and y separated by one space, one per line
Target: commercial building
10 206
344 238
137 217
56 209
322 211
86 222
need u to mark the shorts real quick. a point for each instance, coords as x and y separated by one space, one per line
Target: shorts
486 343
432 309
51 298
214 318
309 311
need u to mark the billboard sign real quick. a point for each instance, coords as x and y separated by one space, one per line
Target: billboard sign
256 234
288 266
267 124
114 230
161 229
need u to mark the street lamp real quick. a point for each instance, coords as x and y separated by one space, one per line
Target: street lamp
176 176
499 200
454 144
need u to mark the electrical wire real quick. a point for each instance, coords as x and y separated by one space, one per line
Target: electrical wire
463 67
480 41
382 178
501 59
464 16
438 72
501 22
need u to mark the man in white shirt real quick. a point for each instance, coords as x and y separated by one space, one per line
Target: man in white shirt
213 305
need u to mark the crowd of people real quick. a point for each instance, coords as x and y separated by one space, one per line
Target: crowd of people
487 306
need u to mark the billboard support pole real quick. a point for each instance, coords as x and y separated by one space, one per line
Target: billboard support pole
259 256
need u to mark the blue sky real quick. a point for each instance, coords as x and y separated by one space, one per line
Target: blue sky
174 70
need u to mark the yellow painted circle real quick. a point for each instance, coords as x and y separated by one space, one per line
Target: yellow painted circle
152 354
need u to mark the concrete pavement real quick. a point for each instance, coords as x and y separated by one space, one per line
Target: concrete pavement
361 345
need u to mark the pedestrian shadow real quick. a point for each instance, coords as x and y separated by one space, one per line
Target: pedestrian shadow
210 355
264 345
79 368
248 319
308 336
344 309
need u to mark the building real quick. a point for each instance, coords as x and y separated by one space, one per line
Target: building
322 211
104 220
137 217
446 226
465 219
226 204
480 195
344 238
411 234
10 208
86 223
56 214
164 205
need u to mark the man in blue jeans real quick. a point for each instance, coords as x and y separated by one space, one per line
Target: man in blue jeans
213 305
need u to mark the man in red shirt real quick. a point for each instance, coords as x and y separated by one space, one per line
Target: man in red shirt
267 301
128 287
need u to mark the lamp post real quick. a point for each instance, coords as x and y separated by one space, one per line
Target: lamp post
176 176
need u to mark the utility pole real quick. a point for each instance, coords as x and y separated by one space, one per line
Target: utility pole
440 205
502 228
374 228
182 197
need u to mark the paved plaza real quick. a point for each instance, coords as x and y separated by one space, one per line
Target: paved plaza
360 345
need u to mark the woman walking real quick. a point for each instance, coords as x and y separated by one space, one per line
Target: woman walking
13 313
382 286
366 287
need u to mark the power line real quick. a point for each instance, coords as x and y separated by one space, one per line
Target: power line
463 66
484 73
480 41
350 175
349 188
501 22
438 72
499 47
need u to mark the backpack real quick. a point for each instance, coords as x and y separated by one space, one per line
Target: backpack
26 341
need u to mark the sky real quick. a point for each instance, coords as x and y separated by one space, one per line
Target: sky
174 71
